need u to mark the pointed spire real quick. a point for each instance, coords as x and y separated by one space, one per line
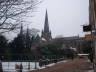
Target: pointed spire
27 34
27 30
46 25
21 30
46 34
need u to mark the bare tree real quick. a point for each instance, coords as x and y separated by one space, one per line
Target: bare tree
11 10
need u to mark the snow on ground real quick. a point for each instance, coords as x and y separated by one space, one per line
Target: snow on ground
52 64
10 66
90 71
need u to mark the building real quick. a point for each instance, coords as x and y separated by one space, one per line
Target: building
71 42
46 33
92 23
92 20
91 12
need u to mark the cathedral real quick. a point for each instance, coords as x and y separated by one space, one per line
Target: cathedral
46 33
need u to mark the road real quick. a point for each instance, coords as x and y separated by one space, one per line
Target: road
76 65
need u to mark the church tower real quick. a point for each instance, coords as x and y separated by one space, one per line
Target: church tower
21 31
46 33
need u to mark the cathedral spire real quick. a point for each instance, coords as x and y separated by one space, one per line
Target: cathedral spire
46 34
21 30
46 25
27 32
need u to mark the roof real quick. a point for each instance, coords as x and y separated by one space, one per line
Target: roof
83 54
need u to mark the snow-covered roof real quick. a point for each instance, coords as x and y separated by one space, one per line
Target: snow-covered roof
83 54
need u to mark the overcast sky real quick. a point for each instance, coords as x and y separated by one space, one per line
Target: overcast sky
66 17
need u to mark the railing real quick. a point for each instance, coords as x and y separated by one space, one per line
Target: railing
10 65
26 66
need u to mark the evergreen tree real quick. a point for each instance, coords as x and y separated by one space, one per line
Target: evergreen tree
18 45
37 39
27 49
86 46
3 47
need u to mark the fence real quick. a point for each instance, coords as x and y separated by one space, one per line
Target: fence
10 66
